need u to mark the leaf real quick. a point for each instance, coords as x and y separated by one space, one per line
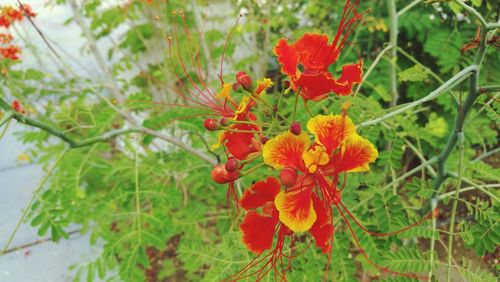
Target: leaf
415 73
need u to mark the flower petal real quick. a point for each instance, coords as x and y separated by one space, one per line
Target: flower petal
263 85
331 130
315 54
322 229
242 144
285 150
317 86
356 155
258 231
287 57
260 193
352 73
295 206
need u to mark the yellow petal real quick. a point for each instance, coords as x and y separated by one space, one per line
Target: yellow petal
285 150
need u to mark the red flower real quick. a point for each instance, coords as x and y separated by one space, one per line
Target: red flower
4 21
10 52
260 228
5 38
306 61
27 10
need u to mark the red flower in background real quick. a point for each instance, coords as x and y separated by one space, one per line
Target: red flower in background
306 61
10 52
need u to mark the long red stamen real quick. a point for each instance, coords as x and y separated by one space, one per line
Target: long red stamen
196 67
427 217
225 47
348 23
409 275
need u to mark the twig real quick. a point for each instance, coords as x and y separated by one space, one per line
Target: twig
35 194
372 66
465 189
486 154
450 83
393 42
408 7
37 242
95 51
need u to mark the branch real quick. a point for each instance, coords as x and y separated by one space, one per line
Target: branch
7 116
452 82
372 66
488 89
486 154
95 51
180 144
473 11
35 194
408 7
393 41
61 135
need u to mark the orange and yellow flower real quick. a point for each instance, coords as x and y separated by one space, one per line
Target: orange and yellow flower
337 148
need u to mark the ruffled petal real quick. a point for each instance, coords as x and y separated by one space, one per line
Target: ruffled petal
295 206
322 229
285 150
258 232
331 130
260 193
356 155
352 73
315 54
242 144
287 57
316 87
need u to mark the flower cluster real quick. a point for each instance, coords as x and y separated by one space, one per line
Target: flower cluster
310 166
8 16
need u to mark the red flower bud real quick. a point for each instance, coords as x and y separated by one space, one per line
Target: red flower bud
211 124
295 128
285 84
264 139
288 176
232 165
16 106
244 80
223 121
236 87
221 175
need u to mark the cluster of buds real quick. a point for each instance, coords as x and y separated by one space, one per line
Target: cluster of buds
8 16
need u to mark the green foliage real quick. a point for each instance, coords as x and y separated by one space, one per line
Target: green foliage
139 197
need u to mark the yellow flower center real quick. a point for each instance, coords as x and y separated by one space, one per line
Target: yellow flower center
315 157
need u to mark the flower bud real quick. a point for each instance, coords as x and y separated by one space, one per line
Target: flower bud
220 175
263 139
232 165
285 84
295 128
288 176
211 124
224 121
236 87
244 80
